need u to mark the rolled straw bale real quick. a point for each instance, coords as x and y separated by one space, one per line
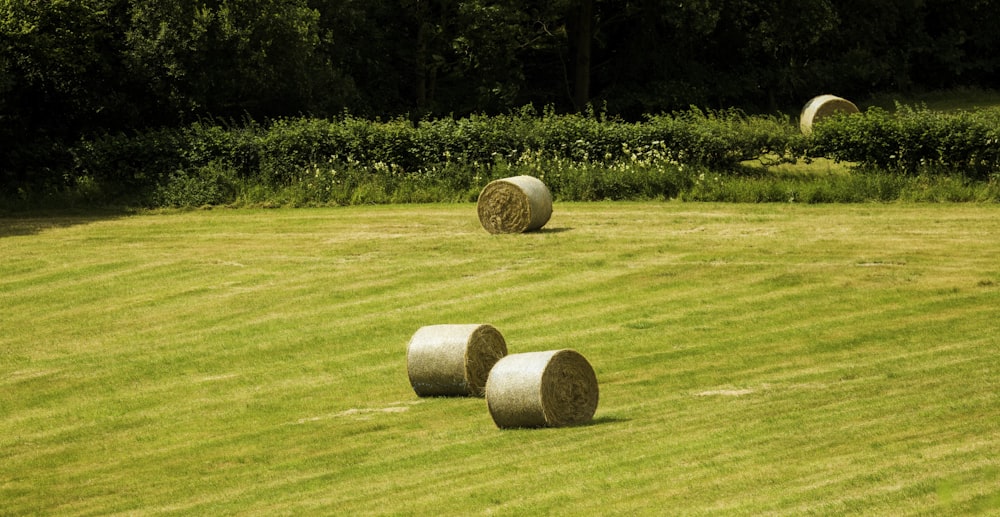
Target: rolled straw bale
823 106
453 360
542 389
514 205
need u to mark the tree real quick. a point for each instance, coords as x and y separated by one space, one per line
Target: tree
780 40
580 32
58 78
961 44
653 55
475 55
872 47
227 57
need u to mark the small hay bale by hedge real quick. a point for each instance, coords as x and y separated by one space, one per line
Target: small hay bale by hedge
823 106
542 389
453 360
514 205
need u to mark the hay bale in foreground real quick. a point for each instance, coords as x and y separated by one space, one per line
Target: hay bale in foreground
542 389
823 106
453 360
514 205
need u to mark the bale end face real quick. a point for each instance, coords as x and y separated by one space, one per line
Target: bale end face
514 205
542 389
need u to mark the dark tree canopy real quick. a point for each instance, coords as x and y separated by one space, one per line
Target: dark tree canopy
69 68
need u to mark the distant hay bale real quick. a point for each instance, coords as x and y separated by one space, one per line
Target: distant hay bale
542 389
821 107
514 205
453 360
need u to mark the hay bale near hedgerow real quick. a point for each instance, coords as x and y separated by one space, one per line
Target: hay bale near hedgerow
542 389
514 205
823 106
453 360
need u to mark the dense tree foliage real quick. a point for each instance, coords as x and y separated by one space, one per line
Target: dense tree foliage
76 68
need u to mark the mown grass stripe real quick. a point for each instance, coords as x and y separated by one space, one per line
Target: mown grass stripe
752 359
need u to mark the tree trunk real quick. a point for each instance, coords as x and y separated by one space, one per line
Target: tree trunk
420 65
580 30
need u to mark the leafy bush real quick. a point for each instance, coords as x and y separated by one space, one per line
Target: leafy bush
720 140
128 167
649 173
692 155
914 140
208 185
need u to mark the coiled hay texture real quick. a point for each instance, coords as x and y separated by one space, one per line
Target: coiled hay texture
514 205
453 360
823 106
542 389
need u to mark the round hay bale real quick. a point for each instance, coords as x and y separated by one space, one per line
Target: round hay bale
823 106
453 360
542 389
514 205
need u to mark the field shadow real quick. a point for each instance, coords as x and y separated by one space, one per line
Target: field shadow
601 420
32 223
606 419
553 230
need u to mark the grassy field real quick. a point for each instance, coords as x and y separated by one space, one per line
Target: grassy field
752 359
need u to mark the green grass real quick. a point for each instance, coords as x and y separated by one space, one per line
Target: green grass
752 359
940 100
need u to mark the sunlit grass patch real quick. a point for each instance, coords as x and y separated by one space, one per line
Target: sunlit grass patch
752 359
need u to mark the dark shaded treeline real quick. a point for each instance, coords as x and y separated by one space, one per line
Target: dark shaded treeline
73 69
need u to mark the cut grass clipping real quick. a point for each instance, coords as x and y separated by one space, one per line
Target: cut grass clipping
823 106
542 389
514 205
453 360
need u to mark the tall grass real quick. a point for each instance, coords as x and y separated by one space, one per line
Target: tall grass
753 359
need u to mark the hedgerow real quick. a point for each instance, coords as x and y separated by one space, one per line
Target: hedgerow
692 155
912 141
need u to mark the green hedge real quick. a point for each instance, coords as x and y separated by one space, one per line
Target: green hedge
914 141
348 160
460 153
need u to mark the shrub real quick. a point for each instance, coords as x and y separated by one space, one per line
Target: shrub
128 167
914 141
693 154
208 185
720 140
